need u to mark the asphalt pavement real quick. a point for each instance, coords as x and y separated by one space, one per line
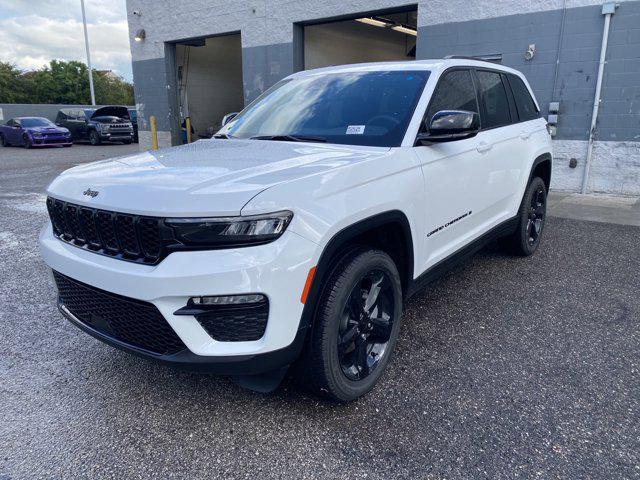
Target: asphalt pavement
505 368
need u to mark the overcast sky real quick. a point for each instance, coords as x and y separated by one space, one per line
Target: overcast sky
33 32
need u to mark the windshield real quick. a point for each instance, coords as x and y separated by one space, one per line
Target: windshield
361 108
88 112
36 122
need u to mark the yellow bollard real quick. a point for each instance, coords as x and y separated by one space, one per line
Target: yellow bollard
154 133
188 125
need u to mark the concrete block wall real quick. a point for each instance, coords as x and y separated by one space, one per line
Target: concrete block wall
469 27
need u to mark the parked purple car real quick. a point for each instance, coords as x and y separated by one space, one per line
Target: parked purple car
33 132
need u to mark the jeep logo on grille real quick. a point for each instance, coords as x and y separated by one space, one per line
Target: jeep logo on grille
90 193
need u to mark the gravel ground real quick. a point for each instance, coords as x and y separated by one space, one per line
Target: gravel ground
506 368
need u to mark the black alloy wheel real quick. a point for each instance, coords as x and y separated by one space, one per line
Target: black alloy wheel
26 141
3 141
355 327
94 138
531 218
365 326
537 212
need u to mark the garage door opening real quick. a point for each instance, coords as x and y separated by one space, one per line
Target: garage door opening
209 78
365 38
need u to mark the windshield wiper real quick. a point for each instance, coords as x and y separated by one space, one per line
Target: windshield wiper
290 138
224 136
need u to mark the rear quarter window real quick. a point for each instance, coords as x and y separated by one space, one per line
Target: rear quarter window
524 103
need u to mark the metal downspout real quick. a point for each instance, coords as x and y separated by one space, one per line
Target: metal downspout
608 9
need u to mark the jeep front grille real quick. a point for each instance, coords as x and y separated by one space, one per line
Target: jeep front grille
128 237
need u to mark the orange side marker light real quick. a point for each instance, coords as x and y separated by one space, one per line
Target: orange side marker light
307 284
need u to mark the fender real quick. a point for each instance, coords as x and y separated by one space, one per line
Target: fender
326 262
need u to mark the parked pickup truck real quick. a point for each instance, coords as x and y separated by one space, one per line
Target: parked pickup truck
297 233
33 132
105 124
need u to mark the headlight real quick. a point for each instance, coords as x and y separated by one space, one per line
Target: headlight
104 128
36 135
230 231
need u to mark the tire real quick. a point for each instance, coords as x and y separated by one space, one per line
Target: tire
94 138
531 219
26 141
3 141
67 146
127 142
349 348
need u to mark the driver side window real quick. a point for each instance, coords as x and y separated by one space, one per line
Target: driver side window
455 91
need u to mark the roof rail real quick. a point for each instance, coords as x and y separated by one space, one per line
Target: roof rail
493 58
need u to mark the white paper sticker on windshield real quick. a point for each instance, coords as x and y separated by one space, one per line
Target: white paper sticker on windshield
355 129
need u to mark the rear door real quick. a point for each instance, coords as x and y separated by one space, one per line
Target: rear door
501 147
531 129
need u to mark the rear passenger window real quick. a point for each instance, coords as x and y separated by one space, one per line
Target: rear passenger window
524 103
495 106
455 91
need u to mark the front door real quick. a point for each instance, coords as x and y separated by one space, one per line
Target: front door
454 175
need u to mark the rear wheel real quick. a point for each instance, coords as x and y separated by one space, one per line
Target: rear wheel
531 219
356 326
94 138
26 141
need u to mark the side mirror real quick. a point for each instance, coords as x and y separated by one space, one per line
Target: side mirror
228 117
450 125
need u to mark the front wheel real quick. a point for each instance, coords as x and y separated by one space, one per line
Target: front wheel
531 219
356 326
3 141
26 141
94 138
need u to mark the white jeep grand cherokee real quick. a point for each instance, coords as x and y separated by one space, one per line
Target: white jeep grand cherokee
298 231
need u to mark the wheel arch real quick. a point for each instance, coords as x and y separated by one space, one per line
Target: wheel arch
541 167
389 231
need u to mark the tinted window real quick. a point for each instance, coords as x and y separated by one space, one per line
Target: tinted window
495 111
359 108
455 91
524 103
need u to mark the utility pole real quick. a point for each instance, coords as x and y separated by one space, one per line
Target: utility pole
86 46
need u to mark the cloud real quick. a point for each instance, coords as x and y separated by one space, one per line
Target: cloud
32 41
54 31
96 10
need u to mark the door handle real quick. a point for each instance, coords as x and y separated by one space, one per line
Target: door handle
525 135
483 147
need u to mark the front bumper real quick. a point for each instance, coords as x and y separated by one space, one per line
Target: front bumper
116 137
51 140
277 270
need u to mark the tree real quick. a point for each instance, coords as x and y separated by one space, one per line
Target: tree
62 82
11 87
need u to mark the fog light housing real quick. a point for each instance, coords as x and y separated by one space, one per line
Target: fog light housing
228 299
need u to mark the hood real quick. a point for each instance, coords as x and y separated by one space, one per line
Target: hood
111 111
205 178
46 129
